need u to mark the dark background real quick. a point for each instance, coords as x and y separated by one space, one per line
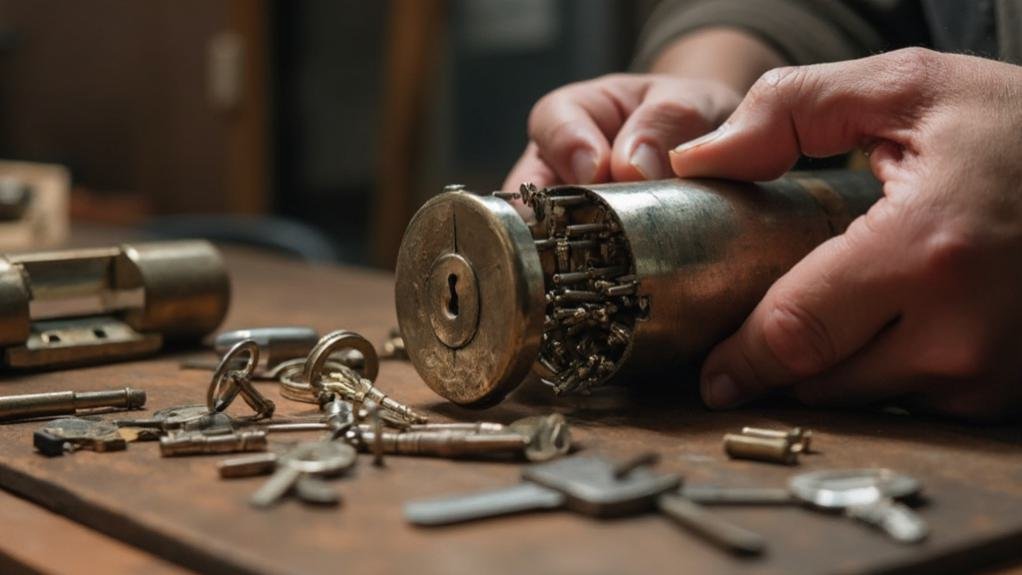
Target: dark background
340 114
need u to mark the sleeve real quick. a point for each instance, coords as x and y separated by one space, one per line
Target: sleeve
802 31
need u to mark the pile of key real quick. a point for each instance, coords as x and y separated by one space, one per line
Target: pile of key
337 374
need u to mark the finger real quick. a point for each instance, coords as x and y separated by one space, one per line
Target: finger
572 127
529 169
819 110
878 371
822 311
666 118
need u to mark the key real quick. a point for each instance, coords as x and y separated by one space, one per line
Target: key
227 382
358 390
592 486
868 495
308 488
199 443
548 436
73 433
322 458
181 418
439 443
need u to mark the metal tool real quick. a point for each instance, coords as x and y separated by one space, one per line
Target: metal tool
615 281
228 382
199 443
91 305
181 417
772 449
438 443
350 385
50 404
319 458
799 437
869 495
592 486
71 434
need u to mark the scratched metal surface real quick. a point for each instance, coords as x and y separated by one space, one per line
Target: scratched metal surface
180 510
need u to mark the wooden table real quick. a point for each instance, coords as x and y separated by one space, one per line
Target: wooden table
178 510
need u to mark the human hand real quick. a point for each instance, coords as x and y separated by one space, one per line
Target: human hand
921 298
618 127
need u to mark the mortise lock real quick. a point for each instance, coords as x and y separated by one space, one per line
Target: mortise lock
72 307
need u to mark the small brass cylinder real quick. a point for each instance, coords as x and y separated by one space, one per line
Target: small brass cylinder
802 437
772 449
32 405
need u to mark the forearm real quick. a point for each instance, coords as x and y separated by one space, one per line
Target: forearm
728 55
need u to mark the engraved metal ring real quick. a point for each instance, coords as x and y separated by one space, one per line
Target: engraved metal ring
221 386
330 344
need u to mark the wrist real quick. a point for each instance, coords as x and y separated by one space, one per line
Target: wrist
730 56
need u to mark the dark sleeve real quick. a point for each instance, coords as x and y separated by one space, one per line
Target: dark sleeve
802 31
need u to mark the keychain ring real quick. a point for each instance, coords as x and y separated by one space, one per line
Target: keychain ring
221 387
333 342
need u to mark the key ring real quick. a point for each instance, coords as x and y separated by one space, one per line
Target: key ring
292 385
330 344
222 390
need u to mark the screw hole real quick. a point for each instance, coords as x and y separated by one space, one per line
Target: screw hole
99 332
51 338
452 299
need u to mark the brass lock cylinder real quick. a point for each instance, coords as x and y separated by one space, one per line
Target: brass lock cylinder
611 282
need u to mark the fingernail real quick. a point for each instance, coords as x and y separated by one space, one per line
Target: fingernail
648 161
721 391
583 163
704 139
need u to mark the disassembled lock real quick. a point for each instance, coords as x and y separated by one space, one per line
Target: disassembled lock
611 282
92 305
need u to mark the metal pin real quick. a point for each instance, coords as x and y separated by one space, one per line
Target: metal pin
445 443
772 449
801 438
579 229
200 444
33 405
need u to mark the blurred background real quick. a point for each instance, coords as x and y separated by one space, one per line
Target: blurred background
313 126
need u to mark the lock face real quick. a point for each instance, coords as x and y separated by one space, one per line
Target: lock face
469 297
611 282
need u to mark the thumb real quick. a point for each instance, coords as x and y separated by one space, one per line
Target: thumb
817 111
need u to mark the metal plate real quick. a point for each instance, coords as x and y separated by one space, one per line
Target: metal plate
470 297
841 488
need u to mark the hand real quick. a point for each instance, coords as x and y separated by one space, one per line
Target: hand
617 127
921 298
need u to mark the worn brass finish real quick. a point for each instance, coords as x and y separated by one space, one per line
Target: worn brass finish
801 438
33 405
623 282
101 304
476 251
772 449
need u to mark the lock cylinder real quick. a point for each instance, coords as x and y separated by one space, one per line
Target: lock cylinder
610 283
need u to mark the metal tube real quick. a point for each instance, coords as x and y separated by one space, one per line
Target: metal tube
32 405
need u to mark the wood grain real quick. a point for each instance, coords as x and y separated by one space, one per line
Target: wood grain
179 509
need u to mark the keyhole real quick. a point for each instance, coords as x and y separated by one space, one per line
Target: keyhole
452 300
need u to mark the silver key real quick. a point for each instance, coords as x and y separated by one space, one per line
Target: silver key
868 495
592 486
321 458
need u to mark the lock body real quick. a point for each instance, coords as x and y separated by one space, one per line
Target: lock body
61 308
613 282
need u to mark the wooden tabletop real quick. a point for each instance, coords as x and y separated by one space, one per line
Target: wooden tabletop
179 510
